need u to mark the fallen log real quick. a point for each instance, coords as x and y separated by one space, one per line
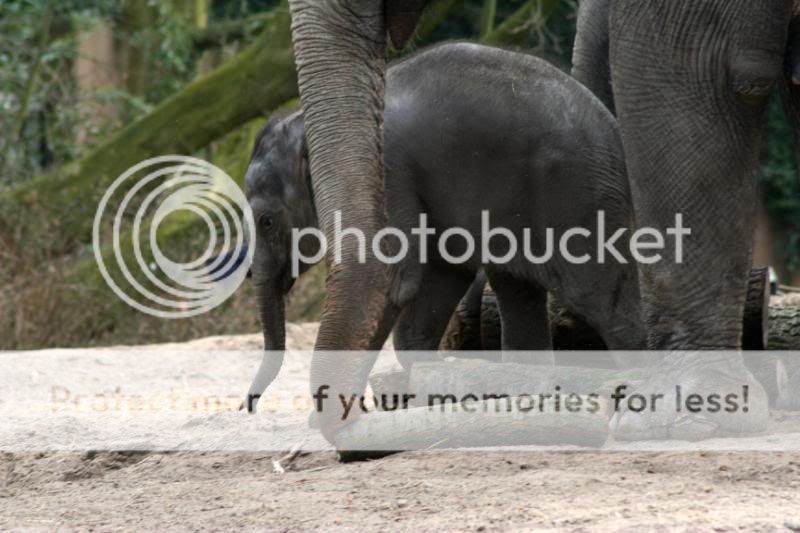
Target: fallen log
468 425
474 327
389 385
784 328
784 335
436 382
755 325
476 312
441 382
789 394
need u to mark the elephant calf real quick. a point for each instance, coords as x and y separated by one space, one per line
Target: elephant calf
516 138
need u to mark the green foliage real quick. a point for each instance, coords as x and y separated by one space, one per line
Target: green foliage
37 95
173 55
38 89
780 185
549 35
236 9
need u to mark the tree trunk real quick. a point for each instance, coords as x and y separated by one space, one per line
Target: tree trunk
95 69
136 46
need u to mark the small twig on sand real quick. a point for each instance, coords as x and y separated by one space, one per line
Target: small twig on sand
288 459
435 444
317 469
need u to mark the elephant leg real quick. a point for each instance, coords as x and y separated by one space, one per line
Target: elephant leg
424 319
524 320
590 57
678 79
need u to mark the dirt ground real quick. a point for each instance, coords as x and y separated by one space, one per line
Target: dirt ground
416 491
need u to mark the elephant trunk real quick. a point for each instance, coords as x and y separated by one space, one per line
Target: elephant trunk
340 48
272 310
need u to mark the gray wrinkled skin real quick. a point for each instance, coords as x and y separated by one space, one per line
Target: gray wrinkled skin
340 50
469 128
690 80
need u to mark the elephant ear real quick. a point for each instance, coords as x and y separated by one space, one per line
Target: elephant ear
401 19
298 147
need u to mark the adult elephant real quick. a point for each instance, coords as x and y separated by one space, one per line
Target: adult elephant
340 51
690 82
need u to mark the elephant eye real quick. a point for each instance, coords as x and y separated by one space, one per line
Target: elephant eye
265 221
755 89
755 74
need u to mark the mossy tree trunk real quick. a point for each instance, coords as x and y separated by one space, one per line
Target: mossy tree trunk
134 53
487 17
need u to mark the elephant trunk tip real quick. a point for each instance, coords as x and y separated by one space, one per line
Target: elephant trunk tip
250 403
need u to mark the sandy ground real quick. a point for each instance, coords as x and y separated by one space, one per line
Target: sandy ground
449 490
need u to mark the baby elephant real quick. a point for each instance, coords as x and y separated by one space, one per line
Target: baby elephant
470 132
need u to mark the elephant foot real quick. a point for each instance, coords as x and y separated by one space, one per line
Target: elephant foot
249 404
353 456
688 398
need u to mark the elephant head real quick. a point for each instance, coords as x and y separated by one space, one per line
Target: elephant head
340 52
278 189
